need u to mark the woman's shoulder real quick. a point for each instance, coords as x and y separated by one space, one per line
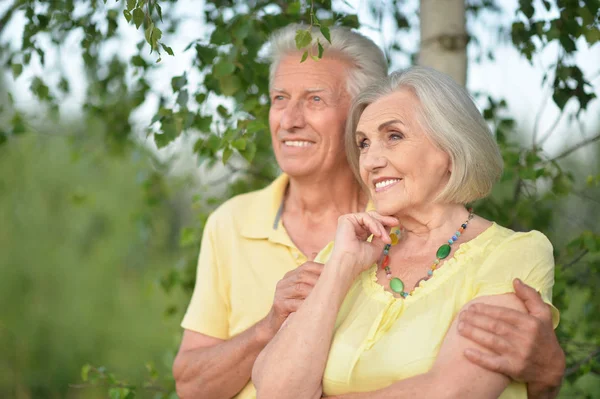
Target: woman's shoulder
507 253
499 239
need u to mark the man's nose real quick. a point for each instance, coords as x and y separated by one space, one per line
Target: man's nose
293 116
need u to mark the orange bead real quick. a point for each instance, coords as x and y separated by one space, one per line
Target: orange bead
461 229
386 261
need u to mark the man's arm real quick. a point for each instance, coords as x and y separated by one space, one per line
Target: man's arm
207 367
524 345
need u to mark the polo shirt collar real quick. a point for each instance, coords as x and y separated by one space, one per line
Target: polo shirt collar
264 213
264 210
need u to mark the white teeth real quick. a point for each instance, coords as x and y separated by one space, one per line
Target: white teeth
297 143
385 183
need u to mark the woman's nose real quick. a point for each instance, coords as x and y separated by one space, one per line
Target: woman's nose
374 159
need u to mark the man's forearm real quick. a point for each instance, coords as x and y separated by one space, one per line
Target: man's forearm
222 370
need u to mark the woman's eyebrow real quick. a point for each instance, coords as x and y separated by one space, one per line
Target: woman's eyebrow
388 123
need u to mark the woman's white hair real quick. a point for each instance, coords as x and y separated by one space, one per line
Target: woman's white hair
452 122
367 60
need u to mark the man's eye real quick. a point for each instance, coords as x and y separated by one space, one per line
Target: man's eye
277 98
316 98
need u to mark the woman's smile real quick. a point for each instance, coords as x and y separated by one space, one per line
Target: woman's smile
385 183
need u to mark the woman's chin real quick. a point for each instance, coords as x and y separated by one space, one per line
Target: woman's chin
387 210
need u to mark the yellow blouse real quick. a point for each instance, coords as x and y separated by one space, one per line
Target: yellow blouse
380 339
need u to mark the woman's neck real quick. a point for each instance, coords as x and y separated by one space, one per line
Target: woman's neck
429 225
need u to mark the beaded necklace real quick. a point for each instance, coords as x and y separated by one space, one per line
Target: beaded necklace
443 251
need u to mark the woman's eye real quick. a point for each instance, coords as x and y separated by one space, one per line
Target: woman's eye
362 144
396 136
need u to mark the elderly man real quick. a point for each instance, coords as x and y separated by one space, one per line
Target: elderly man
255 265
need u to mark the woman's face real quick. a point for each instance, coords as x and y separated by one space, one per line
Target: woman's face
400 166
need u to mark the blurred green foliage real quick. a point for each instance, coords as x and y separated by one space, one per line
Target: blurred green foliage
79 264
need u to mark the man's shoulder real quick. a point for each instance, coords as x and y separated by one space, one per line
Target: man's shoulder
253 207
240 204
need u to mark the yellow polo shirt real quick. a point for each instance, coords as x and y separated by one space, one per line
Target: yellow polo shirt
245 251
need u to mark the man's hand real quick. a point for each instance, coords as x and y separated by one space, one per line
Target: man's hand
524 345
290 292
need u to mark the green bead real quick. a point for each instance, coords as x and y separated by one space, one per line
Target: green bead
396 285
443 251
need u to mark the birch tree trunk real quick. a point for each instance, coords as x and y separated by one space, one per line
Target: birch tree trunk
444 37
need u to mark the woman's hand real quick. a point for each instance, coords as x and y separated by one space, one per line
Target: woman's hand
351 238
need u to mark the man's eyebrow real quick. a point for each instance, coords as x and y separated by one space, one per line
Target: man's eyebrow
309 90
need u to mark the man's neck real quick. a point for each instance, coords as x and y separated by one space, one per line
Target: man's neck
339 192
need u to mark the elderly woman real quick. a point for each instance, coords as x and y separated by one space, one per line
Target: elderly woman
382 318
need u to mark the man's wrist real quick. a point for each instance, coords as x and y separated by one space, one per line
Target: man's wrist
264 331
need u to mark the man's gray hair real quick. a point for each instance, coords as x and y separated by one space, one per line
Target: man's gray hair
367 61
452 122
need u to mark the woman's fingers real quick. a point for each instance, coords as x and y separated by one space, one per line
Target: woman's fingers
371 225
389 221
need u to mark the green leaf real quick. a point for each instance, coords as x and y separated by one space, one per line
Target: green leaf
17 69
138 61
167 49
138 17
203 123
325 33
320 50
182 98
188 236
85 371
177 82
127 15
526 7
227 152
222 111
131 4
592 35
159 11
200 98
223 68
303 38
114 393
293 8
39 88
213 142
156 35
249 152
239 144
304 57
230 85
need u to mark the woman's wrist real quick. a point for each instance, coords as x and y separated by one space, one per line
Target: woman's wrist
342 267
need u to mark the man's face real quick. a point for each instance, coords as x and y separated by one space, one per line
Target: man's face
309 106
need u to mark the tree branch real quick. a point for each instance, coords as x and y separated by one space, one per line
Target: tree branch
576 147
6 17
580 363
577 259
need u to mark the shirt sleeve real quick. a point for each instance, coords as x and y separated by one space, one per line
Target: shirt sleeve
208 311
527 256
